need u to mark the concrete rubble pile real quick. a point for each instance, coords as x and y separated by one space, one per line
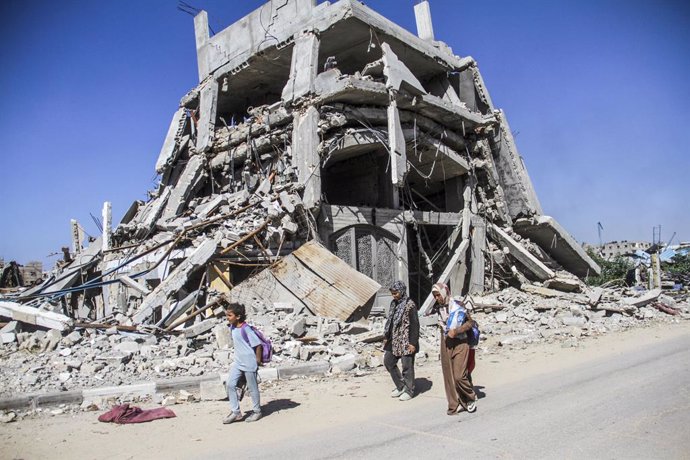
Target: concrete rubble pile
325 153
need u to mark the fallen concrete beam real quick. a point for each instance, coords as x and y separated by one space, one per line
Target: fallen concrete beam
167 153
644 299
563 284
191 179
127 281
534 265
198 329
31 315
557 242
151 212
457 256
175 281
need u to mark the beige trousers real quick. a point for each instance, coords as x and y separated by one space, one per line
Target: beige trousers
454 357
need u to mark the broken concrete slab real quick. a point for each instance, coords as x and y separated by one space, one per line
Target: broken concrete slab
32 315
557 242
175 280
646 298
534 265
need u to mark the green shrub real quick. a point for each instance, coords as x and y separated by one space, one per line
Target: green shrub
679 266
615 269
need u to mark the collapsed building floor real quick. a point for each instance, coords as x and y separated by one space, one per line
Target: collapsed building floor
325 153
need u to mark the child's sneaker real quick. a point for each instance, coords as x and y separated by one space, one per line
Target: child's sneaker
396 393
405 397
254 417
233 417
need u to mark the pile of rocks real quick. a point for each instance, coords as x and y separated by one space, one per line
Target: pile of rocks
83 358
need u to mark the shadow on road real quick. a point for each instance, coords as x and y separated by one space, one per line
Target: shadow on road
277 405
479 391
422 385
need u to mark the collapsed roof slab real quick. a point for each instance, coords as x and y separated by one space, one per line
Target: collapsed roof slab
534 265
517 187
557 242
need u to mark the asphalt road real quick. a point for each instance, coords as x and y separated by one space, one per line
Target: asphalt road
633 405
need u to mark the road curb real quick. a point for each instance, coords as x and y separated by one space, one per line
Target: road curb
34 400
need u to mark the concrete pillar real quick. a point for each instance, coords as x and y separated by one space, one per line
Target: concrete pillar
202 35
305 143
396 145
76 236
477 255
107 225
208 106
304 67
655 278
422 15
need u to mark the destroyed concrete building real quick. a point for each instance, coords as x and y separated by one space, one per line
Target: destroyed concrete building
325 153
323 122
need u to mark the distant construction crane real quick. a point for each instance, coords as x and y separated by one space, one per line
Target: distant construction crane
599 229
669 241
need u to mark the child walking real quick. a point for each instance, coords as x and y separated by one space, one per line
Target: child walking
248 351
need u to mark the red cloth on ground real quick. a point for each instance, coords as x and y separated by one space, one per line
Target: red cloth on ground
127 414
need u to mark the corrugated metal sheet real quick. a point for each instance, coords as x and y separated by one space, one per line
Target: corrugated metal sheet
327 285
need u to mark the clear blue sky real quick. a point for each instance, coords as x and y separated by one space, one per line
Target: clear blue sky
595 91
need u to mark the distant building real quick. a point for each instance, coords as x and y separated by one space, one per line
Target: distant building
31 272
614 249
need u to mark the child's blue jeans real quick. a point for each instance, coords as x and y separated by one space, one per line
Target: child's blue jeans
252 386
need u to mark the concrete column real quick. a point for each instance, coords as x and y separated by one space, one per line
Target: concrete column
477 255
396 145
208 106
304 67
422 15
305 143
655 278
107 225
76 236
202 35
